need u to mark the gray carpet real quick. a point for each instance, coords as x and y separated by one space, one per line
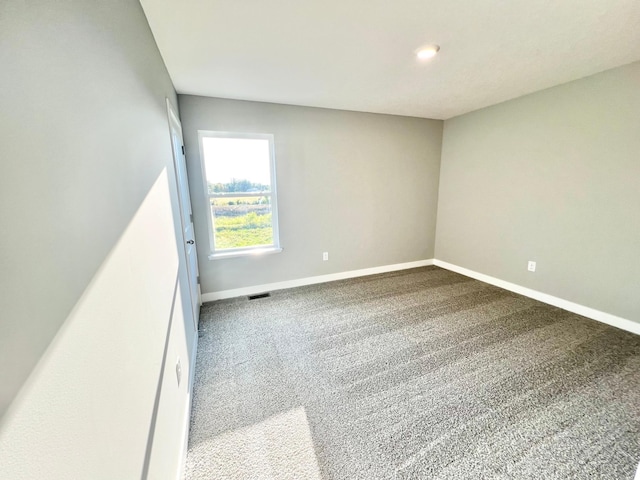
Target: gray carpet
418 374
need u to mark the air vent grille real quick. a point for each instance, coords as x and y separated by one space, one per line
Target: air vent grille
259 295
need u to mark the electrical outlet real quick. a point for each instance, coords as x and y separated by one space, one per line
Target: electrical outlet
531 266
325 256
178 371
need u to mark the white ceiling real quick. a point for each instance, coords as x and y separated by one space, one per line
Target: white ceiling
359 54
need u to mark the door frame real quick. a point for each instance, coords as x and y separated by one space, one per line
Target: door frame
193 278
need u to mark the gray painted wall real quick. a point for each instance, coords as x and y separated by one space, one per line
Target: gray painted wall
88 247
361 186
552 177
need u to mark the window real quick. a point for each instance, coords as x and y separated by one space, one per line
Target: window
240 184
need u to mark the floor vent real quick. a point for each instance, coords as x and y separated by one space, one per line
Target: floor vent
259 295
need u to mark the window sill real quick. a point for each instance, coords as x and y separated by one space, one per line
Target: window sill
245 253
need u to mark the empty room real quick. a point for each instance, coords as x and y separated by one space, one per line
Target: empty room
320 240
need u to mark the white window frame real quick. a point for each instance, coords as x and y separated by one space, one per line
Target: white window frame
241 251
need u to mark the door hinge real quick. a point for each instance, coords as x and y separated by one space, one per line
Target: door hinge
183 149
198 279
191 217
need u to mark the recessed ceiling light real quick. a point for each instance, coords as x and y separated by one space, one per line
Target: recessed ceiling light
427 52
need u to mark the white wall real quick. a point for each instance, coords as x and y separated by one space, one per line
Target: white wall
89 247
551 177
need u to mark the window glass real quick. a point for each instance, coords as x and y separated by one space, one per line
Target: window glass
239 172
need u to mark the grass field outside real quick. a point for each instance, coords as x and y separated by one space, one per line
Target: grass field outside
248 230
241 221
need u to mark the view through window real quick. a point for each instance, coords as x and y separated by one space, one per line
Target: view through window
239 172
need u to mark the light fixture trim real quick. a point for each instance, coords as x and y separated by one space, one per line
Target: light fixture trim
427 52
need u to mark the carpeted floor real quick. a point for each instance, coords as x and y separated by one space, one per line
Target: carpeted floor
418 374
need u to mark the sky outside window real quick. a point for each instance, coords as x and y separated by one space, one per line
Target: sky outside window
236 158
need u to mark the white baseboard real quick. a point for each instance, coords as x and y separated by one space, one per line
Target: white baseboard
619 322
269 287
